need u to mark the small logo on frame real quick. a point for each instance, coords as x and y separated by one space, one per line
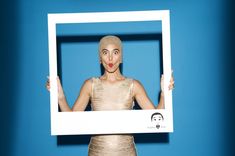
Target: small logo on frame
157 119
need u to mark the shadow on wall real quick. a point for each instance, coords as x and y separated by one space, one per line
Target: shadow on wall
139 138
9 63
84 139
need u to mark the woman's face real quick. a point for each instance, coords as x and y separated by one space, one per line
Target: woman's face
111 57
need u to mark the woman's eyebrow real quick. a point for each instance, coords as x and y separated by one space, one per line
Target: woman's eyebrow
113 49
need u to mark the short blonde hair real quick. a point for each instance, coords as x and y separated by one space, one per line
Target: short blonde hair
109 39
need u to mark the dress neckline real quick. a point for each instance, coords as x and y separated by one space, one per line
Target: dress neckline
112 83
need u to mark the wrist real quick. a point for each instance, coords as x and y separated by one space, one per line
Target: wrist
61 98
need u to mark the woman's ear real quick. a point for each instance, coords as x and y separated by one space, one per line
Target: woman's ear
100 60
121 58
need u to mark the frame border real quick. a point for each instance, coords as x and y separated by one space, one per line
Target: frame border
109 122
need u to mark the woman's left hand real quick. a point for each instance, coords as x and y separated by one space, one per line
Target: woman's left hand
171 85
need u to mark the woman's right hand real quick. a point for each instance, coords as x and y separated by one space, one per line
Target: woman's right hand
60 89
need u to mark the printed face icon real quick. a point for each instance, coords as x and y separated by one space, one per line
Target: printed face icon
157 119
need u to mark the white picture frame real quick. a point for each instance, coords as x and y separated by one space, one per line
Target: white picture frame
110 122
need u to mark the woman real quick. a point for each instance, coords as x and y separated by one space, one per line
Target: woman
111 91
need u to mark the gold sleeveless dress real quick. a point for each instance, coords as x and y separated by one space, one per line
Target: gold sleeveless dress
104 97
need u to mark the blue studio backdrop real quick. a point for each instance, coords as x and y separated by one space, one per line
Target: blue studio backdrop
202 59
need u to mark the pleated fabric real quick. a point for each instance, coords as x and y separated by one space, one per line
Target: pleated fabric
112 96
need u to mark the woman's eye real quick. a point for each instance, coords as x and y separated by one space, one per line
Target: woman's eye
105 52
116 52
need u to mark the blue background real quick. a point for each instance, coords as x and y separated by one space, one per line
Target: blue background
202 37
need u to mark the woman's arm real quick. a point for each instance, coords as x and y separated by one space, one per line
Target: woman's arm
142 98
84 96
82 100
161 102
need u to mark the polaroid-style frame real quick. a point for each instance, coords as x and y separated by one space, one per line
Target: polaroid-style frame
110 122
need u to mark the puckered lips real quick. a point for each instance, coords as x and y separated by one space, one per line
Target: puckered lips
110 65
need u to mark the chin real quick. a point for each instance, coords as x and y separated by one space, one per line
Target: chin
111 70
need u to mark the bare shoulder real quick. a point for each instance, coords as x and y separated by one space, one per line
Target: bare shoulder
138 87
87 85
137 83
88 81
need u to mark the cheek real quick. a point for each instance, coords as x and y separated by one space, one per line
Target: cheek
118 58
103 59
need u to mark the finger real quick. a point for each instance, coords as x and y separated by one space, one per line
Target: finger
172 79
172 82
48 87
171 88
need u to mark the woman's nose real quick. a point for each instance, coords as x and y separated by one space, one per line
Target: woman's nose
110 57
